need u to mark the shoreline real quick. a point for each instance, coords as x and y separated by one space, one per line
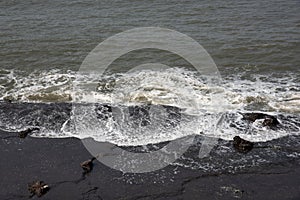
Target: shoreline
57 163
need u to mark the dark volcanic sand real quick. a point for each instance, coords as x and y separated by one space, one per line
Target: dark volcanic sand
57 163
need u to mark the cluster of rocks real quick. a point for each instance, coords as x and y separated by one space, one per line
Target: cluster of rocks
39 188
244 146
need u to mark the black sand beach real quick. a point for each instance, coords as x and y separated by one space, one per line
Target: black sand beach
57 163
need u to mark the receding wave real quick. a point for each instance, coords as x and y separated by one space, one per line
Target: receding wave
148 106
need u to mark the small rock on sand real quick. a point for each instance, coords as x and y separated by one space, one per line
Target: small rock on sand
38 188
241 145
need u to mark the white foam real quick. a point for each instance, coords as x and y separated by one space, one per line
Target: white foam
176 87
202 101
38 86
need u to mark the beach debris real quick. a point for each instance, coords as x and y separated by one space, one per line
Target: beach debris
241 145
87 165
23 134
38 188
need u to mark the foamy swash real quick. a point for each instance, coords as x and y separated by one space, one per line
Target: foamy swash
205 108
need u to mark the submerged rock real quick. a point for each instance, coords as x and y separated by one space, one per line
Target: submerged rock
254 116
23 134
241 145
87 165
38 188
270 122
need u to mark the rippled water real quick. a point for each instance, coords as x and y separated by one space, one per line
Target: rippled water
59 34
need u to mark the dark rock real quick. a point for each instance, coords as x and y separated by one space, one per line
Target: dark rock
241 145
271 122
38 188
23 134
87 165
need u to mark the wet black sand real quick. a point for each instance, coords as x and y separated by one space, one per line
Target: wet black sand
270 171
57 163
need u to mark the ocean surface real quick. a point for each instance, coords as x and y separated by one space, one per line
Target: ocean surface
254 44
